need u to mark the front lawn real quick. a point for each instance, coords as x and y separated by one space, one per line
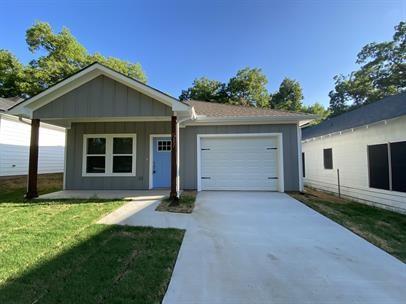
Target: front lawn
383 228
54 252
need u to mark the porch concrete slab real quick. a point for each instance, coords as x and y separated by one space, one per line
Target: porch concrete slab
133 195
262 247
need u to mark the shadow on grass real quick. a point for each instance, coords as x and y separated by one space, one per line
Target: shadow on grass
117 264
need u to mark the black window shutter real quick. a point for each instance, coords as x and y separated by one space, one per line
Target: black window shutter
378 166
303 165
328 158
398 161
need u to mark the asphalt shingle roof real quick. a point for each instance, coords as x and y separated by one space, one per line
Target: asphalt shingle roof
213 109
386 108
7 103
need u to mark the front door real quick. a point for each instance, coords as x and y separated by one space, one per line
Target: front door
161 162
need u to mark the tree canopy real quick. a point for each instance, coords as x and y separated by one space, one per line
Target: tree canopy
382 73
288 97
247 87
317 109
60 55
205 89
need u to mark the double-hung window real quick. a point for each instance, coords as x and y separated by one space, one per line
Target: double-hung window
109 155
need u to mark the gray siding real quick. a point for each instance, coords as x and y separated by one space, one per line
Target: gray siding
188 153
188 156
74 179
102 97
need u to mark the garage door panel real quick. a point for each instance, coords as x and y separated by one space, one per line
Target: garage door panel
241 170
239 163
252 184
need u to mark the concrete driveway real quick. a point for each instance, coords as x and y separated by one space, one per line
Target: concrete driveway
261 247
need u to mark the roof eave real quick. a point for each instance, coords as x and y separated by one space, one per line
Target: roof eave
26 107
255 119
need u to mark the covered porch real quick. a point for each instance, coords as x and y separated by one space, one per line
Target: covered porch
111 121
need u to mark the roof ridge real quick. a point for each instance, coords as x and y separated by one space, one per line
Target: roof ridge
247 107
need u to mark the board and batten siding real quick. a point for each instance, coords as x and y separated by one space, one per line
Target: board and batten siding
188 152
350 156
102 97
188 155
14 147
74 155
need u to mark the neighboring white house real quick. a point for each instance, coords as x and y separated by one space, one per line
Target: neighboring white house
367 146
15 142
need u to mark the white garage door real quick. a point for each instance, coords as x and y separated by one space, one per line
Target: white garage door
239 163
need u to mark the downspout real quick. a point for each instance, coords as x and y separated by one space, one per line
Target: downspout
299 156
192 117
21 119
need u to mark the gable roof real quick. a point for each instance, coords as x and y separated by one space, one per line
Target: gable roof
386 108
215 110
7 103
26 107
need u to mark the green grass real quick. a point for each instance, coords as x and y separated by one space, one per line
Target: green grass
385 229
54 252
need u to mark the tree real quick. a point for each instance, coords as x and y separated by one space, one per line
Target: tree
206 90
289 96
317 109
11 74
382 73
248 87
61 55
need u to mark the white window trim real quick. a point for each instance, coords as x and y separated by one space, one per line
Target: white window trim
109 155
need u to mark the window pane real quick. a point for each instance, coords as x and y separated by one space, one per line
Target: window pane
122 164
164 145
96 146
378 166
96 164
122 145
398 159
328 158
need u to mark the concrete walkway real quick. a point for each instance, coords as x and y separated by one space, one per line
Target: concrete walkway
107 194
258 247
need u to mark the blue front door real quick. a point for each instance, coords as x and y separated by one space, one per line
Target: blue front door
161 165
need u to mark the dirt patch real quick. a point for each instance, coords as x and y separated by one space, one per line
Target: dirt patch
186 203
45 182
312 193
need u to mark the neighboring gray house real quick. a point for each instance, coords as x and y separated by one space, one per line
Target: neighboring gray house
123 134
367 147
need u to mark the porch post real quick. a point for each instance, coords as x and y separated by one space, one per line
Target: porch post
33 161
173 195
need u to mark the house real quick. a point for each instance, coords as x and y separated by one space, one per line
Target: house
123 134
363 151
15 142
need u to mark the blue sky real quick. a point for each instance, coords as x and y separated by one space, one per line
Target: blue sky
177 41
